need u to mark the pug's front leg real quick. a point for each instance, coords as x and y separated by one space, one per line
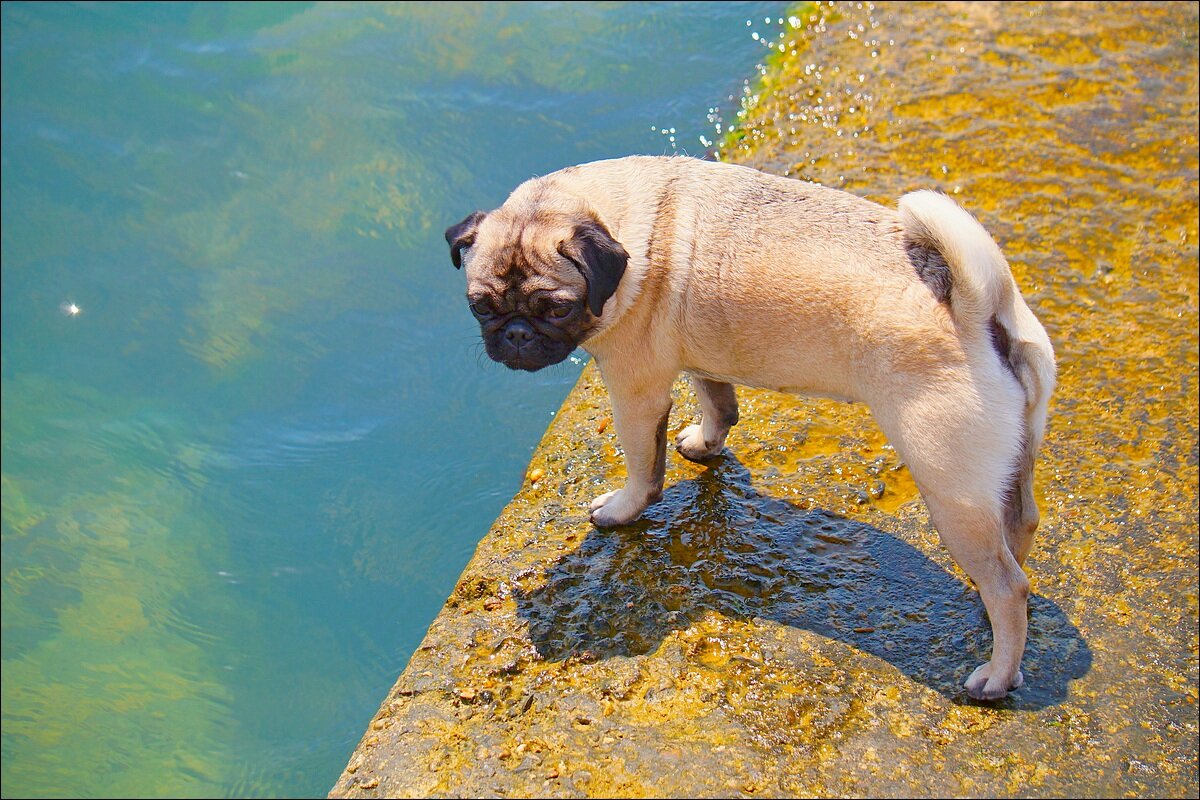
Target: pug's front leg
640 415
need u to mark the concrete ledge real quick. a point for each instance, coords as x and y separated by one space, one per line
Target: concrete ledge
738 640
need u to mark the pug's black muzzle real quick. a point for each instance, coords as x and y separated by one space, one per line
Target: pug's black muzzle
517 344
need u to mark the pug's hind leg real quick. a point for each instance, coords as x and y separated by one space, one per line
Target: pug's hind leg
718 413
975 539
968 512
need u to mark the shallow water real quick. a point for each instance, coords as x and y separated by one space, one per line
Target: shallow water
249 438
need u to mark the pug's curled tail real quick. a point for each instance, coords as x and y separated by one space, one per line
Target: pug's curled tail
983 297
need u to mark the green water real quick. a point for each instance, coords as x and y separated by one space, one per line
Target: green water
249 436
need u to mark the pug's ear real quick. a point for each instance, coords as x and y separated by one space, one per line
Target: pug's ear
462 236
599 257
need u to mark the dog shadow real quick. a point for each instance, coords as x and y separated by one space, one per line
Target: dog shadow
714 543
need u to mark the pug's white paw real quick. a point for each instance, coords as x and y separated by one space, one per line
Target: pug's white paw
986 683
619 507
691 445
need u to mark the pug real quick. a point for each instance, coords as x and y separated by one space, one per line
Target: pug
658 266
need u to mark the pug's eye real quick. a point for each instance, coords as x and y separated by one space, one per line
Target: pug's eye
560 312
480 309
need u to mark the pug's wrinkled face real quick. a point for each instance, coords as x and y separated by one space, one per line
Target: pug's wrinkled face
537 280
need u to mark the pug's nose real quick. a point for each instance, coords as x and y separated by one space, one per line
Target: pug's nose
519 333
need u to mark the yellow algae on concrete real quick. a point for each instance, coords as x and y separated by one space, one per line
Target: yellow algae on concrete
785 621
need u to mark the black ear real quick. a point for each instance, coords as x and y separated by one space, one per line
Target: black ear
600 258
462 236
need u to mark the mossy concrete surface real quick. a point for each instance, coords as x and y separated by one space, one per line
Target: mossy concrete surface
785 621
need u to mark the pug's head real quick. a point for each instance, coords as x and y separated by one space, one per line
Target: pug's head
539 271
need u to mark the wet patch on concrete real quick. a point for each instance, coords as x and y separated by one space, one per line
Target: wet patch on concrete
717 544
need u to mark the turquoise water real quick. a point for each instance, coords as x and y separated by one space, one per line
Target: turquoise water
249 436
